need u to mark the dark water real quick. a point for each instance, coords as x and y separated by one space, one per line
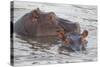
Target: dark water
44 50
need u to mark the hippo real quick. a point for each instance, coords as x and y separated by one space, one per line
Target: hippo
39 23
69 26
73 41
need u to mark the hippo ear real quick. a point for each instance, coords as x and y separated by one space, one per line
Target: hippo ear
51 16
84 37
35 14
84 34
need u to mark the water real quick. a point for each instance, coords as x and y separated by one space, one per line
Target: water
32 52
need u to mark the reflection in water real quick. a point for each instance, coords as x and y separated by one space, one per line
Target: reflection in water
33 51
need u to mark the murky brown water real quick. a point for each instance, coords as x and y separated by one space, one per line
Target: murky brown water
44 50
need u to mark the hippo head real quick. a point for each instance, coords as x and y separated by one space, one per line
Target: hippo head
74 41
46 22
43 17
38 23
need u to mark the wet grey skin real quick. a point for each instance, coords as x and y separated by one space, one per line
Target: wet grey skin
38 23
75 43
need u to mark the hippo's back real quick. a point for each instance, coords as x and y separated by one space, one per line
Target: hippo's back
69 26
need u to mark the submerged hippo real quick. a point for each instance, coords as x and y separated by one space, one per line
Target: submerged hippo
38 23
73 41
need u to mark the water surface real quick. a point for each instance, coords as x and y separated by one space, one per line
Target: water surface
36 51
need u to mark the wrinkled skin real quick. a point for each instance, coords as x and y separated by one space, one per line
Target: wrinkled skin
38 23
74 41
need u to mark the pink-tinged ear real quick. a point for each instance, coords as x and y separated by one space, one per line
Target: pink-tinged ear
35 15
84 34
